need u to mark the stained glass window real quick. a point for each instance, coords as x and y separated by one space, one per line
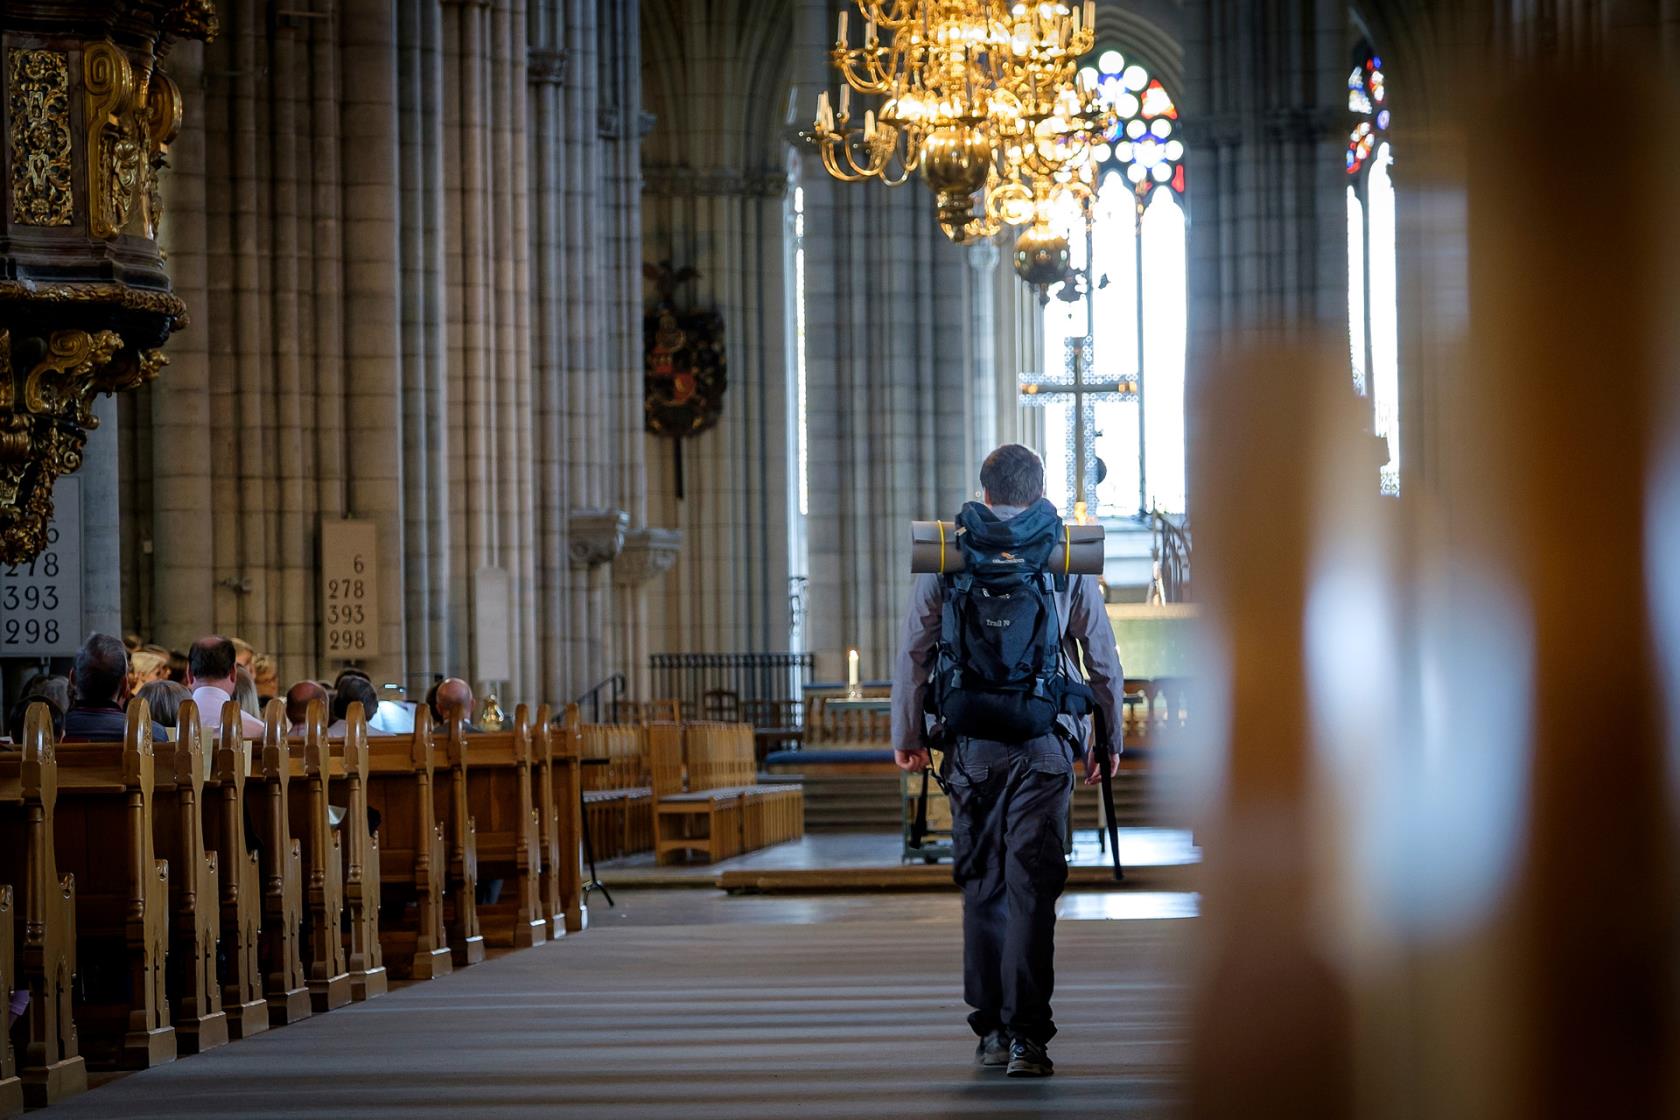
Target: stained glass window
1123 317
1373 285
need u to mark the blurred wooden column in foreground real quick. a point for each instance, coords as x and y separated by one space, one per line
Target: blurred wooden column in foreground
1441 869
1279 441
1573 325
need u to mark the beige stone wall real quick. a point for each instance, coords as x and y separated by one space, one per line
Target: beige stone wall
402 230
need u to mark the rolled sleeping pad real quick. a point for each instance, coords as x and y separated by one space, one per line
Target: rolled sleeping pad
933 549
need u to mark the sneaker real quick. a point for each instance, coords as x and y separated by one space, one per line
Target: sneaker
1029 1059
993 1050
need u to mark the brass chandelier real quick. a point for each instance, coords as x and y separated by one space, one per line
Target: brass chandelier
983 99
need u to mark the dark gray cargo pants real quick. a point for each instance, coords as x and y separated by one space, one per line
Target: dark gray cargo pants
1009 805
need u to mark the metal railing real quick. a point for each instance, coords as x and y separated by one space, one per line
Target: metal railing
757 688
1171 550
592 698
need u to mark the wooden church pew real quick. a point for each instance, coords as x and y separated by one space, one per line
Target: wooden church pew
104 837
323 863
557 750
466 939
285 983
11 1085
501 802
240 866
179 807
42 920
412 855
362 955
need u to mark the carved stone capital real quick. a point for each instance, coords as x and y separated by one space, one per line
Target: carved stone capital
597 535
647 554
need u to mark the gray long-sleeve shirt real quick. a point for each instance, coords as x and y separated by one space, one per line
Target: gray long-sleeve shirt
1084 623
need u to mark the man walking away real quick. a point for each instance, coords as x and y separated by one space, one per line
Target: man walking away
1009 795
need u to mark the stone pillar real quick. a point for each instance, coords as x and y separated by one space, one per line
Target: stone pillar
716 182
182 488
888 307
427 528
101 539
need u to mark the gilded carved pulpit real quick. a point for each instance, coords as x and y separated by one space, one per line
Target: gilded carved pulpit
87 115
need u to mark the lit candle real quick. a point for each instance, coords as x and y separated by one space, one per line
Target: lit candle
852 670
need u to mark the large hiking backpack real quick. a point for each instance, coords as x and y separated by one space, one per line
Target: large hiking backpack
998 670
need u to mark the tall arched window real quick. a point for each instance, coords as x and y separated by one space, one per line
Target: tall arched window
1121 322
1373 301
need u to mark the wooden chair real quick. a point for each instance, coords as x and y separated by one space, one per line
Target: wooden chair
362 955
42 914
323 864
241 880
412 854
706 793
501 802
104 836
180 805
466 939
557 751
285 983
618 799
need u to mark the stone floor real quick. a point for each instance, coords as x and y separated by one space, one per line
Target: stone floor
695 1004
1139 847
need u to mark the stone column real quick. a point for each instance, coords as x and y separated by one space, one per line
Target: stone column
427 529
182 489
715 165
888 308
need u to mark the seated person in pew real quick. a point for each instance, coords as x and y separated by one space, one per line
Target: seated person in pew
266 674
350 690
99 683
298 699
245 692
164 699
449 695
445 699
51 690
144 666
211 674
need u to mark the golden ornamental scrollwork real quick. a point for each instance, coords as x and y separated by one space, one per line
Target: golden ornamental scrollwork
113 138
38 105
44 424
164 304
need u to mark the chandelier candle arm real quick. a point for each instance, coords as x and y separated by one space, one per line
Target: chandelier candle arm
983 99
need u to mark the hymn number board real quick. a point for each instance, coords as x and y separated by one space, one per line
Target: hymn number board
41 601
349 591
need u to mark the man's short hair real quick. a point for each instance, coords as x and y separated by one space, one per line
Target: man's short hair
299 696
351 689
1013 475
101 668
212 659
